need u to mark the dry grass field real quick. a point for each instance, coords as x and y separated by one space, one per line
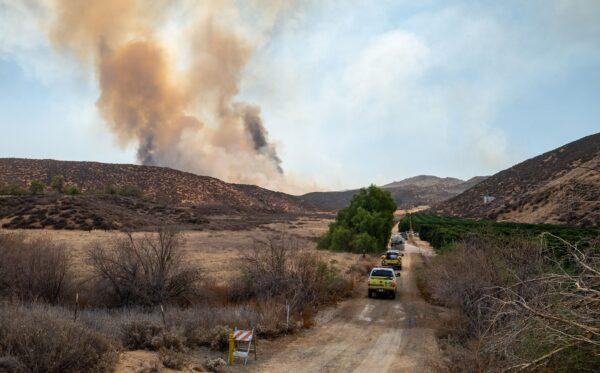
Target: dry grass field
217 253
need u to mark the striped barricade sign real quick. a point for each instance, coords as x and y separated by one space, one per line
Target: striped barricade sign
243 335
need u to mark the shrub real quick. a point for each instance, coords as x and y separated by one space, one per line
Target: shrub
216 337
12 189
275 268
173 359
139 335
147 271
147 335
42 343
34 270
125 191
11 364
36 187
57 183
522 305
72 190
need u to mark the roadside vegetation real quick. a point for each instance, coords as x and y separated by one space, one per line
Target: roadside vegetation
364 226
525 298
444 232
142 293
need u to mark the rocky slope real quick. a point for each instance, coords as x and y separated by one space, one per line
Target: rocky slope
560 186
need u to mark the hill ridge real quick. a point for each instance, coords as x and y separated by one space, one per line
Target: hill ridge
161 184
558 186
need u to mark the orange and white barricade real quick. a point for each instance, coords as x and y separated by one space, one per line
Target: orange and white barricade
244 344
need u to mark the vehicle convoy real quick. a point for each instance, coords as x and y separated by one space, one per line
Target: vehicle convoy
397 239
392 258
382 281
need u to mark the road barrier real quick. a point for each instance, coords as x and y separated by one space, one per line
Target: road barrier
240 344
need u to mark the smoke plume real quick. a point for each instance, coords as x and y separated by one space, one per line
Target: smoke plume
180 111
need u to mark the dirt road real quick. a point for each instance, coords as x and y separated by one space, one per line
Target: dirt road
368 335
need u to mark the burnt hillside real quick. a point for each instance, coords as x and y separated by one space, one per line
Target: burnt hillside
158 184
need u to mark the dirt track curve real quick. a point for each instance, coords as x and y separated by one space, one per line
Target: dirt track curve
368 335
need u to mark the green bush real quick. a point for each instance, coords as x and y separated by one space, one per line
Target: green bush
72 190
365 225
125 191
36 187
57 183
12 190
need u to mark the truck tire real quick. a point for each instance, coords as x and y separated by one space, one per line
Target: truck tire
370 294
394 294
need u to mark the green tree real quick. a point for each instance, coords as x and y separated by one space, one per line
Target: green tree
36 187
364 242
365 225
57 183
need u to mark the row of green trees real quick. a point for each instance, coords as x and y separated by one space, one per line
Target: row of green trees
365 225
36 187
443 232
58 185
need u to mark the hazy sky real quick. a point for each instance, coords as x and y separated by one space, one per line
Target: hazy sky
351 92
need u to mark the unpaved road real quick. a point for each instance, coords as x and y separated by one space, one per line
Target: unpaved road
367 335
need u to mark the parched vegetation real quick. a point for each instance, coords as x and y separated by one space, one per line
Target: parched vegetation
526 299
365 225
142 293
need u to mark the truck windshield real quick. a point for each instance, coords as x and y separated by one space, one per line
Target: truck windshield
391 255
382 273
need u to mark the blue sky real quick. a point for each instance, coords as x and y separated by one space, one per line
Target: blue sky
353 92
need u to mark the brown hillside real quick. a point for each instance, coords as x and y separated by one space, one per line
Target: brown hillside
158 184
560 186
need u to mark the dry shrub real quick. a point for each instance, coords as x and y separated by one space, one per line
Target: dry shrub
173 359
147 271
271 319
43 343
277 269
522 304
11 364
216 337
34 270
215 365
145 335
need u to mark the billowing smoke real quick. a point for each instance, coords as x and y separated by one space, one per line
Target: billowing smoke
259 134
180 111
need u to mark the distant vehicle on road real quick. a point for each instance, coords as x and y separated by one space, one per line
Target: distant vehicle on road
392 258
383 281
397 239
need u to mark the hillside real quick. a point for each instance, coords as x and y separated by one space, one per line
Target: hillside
425 181
169 196
415 191
560 186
